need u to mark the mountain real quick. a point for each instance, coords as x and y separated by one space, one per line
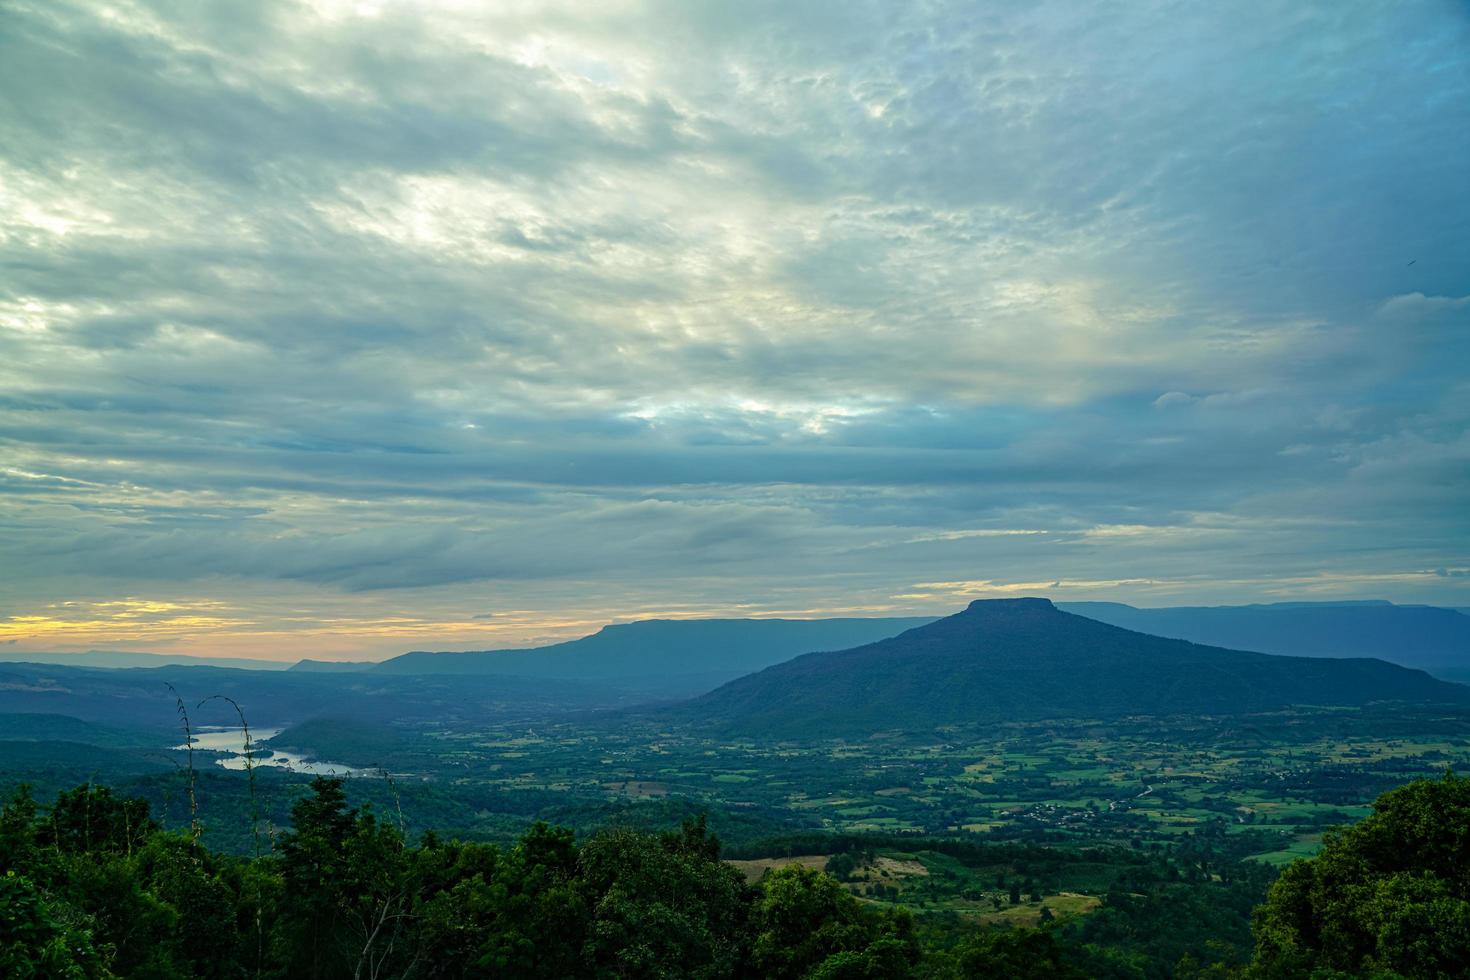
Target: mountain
145 698
331 666
1427 637
695 654
62 728
1024 659
44 761
113 659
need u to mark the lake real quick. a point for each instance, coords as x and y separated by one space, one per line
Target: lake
231 741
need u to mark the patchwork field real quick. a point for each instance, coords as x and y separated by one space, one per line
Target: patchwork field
1266 786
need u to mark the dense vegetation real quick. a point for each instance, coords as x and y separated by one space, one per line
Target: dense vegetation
1389 896
93 887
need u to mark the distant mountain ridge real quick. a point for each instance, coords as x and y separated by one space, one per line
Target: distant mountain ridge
1024 659
708 650
129 698
1428 637
309 666
123 660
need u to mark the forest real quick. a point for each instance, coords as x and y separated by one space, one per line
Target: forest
92 886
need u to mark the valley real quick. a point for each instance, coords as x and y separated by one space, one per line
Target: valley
1060 773
1262 787
1008 721
1266 784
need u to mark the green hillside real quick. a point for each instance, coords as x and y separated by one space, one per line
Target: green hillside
1023 659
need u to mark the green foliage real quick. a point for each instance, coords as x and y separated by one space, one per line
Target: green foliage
17 831
314 869
203 897
537 894
1022 954
841 866
37 942
349 897
1389 896
808 925
92 887
89 819
1146 924
663 907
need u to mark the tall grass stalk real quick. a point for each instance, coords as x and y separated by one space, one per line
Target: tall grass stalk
194 829
249 766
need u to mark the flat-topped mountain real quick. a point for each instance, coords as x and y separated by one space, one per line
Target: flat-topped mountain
712 650
1024 659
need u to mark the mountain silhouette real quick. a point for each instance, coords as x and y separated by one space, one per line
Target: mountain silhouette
1024 659
1427 637
703 653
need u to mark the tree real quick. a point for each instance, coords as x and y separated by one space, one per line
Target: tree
841 866
1017 954
349 894
379 909
313 865
36 942
1388 895
89 819
807 925
539 915
457 903
179 873
664 906
18 850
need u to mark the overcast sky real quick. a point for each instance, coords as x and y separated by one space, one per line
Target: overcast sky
341 328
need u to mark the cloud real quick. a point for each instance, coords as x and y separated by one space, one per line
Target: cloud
654 305
1174 399
1416 305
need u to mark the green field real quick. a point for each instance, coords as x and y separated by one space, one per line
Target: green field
1263 787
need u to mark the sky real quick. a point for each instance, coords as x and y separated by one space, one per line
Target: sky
340 329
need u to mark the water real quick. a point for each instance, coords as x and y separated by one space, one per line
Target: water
230 741
227 738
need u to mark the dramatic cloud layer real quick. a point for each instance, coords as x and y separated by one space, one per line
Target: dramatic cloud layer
343 327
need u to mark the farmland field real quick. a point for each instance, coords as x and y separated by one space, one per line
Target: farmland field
1269 783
